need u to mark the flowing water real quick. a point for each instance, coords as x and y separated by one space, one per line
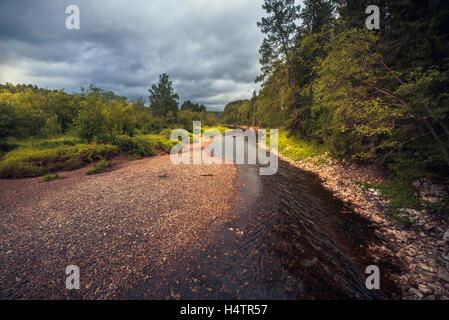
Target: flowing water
287 238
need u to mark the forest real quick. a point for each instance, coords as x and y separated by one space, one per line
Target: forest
43 131
370 96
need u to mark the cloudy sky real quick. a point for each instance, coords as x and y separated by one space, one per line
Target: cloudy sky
208 47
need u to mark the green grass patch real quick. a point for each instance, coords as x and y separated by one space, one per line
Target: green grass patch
399 217
297 149
220 129
49 177
31 161
400 193
365 184
38 157
101 166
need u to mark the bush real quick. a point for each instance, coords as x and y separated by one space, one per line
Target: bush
143 145
101 166
136 147
49 177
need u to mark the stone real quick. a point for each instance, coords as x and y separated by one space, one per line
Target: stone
416 292
443 274
426 267
427 276
446 236
424 289
401 253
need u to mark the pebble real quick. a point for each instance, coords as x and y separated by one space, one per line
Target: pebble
443 274
417 248
416 292
424 289
446 236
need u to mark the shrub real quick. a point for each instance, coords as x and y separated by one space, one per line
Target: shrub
101 166
49 177
143 145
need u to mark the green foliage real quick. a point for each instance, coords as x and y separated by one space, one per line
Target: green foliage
195 107
280 28
101 122
367 96
143 145
163 98
317 13
101 166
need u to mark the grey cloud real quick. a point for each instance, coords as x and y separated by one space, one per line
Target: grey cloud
208 47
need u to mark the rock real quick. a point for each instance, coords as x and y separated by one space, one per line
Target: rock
424 289
431 297
401 253
443 274
426 267
416 292
427 276
446 236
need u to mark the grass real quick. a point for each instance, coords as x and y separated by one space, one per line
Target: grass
400 194
31 161
38 157
298 149
397 216
365 184
220 129
101 166
49 177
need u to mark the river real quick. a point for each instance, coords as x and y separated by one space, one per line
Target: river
286 238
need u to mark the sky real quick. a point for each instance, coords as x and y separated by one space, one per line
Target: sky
209 48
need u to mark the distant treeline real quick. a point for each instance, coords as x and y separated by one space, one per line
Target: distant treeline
369 95
93 115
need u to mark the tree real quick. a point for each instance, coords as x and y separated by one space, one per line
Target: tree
316 14
253 108
276 48
163 97
195 107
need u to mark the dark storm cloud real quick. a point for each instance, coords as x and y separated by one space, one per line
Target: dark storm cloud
208 47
